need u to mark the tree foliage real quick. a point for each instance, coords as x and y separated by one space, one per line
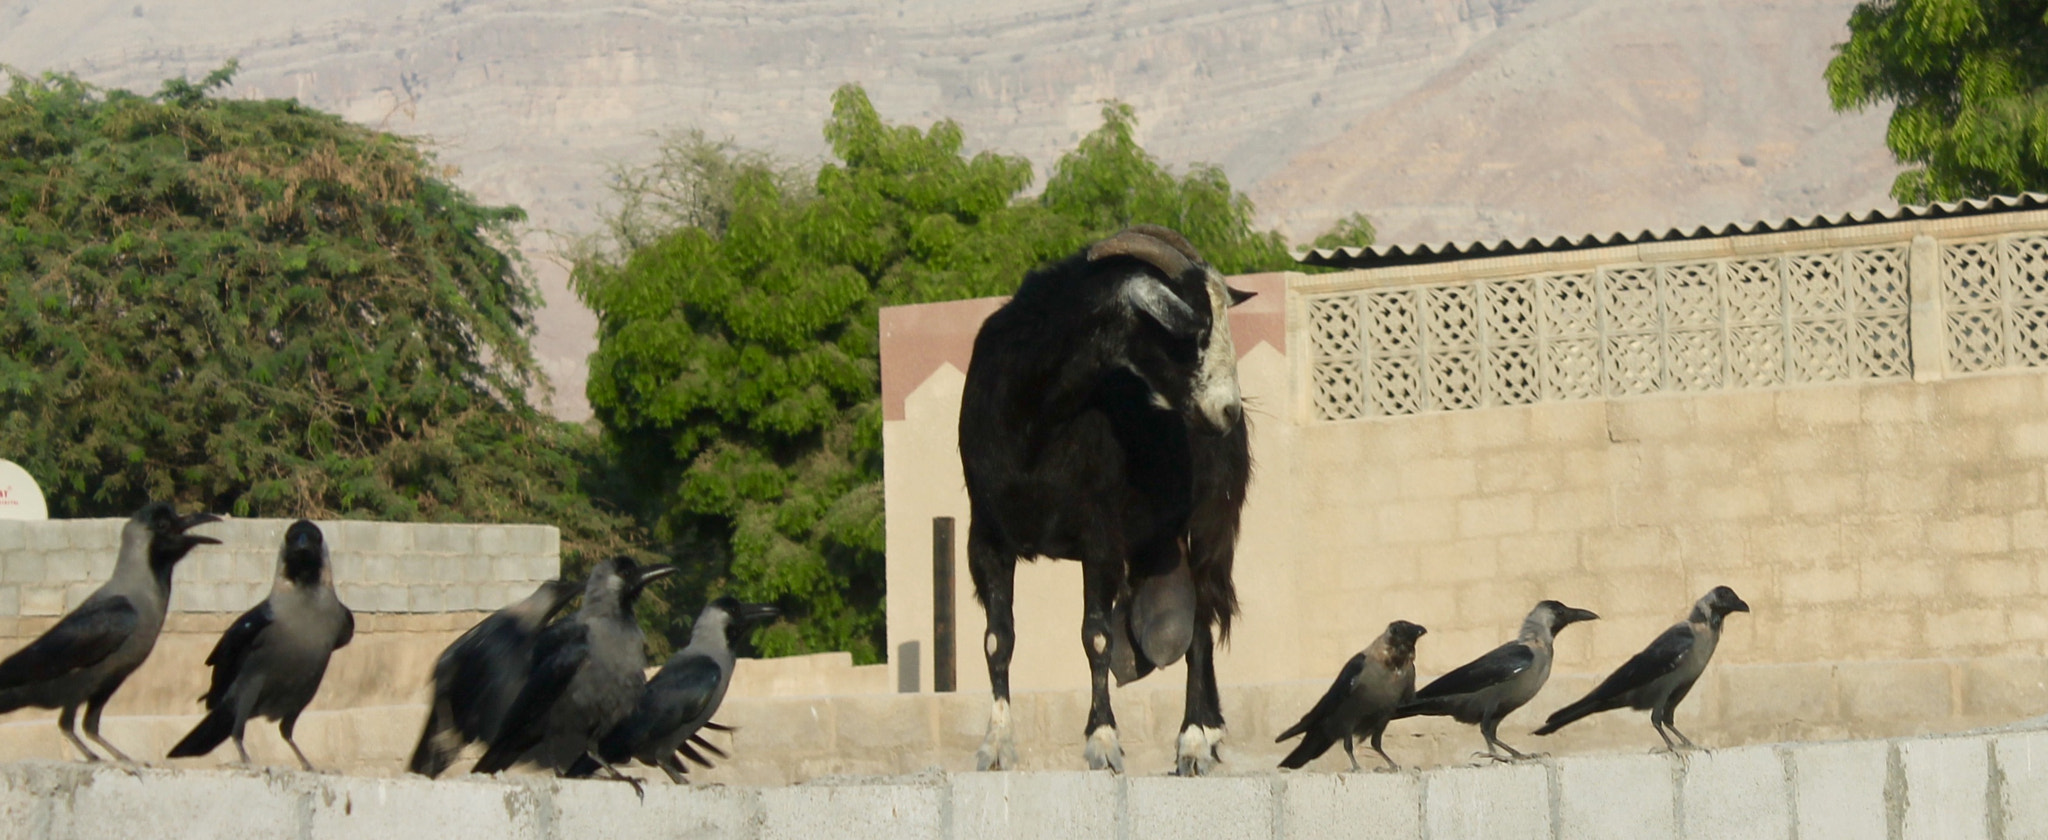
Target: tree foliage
266 310
737 374
1969 83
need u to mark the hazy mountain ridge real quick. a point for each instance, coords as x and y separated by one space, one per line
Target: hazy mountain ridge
1317 107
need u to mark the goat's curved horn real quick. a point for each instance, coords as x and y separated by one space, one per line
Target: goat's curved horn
1169 236
1159 253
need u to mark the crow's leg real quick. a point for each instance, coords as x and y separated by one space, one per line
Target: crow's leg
65 720
285 727
93 707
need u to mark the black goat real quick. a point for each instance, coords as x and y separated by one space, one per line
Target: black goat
1102 423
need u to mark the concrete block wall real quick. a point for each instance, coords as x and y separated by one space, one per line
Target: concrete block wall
48 567
1990 785
413 587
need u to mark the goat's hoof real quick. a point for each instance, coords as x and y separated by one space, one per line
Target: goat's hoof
1104 752
994 756
1195 752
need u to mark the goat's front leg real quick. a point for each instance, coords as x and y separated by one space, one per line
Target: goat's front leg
1201 728
1098 595
995 581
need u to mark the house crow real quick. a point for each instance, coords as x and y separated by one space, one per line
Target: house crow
1489 688
270 662
85 658
1358 705
480 674
586 674
1658 678
682 697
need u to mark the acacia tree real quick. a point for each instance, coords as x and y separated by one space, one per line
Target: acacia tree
1969 83
737 371
263 309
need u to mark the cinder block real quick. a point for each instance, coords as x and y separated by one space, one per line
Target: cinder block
48 535
2005 689
42 600
493 539
1495 516
1895 691
14 535
2022 798
1971 535
424 598
1623 797
1027 806
68 566
10 600
545 566
609 809
1364 806
1946 788
853 812
22 566
356 808
1499 803
180 803
1210 806
1839 789
1736 794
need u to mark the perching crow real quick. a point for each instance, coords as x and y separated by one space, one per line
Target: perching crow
585 675
87 655
682 697
1658 678
1372 685
480 674
270 662
1489 688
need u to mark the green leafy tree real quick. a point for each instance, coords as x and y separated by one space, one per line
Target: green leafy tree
737 371
262 309
1969 81
1353 231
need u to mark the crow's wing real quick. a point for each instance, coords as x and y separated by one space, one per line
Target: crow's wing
681 694
81 640
1332 699
1496 667
1654 662
243 636
558 654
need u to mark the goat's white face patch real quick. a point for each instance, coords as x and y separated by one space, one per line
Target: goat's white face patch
1215 390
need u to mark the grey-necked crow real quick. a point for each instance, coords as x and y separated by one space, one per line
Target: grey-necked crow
87 655
1360 703
1489 688
270 662
479 675
1658 678
682 697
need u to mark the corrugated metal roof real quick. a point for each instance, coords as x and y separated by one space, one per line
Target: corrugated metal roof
1386 256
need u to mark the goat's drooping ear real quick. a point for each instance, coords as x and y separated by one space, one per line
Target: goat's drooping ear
1144 293
1238 296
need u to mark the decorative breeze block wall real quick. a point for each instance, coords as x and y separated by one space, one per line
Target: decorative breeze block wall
1625 329
1631 327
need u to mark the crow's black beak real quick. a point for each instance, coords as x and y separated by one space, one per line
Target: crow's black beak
650 574
750 613
1739 606
195 520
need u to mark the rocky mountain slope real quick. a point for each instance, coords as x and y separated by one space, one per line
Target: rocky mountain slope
1444 119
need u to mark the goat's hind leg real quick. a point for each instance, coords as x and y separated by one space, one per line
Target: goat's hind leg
1099 587
1201 728
995 578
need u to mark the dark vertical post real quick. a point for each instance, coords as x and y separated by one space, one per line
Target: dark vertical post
942 604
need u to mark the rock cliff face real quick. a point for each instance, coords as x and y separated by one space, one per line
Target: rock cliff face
1441 118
